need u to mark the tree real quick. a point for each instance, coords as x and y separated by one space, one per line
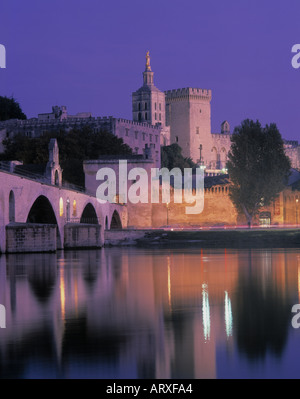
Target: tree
10 109
258 167
75 146
171 157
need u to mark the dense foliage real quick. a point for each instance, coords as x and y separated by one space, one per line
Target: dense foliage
171 157
257 166
74 147
10 109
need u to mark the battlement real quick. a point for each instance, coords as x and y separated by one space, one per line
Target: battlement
35 123
221 135
144 124
291 143
188 92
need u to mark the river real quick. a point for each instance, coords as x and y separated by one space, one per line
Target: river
150 313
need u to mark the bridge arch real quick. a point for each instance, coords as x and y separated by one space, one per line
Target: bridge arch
89 215
42 212
115 221
11 208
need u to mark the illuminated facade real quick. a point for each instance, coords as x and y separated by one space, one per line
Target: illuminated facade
159 118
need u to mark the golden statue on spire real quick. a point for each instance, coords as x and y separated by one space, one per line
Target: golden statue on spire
148 67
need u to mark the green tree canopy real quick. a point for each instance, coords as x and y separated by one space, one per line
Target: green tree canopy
257 166
75 146
10 109
171 157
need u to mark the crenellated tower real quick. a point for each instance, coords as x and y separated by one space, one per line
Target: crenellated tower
188 113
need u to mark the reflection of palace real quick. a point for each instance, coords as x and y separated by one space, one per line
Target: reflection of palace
162 315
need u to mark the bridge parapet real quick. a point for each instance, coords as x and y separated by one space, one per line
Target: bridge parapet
9 167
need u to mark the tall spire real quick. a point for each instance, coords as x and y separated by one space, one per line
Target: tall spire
148 67
148 74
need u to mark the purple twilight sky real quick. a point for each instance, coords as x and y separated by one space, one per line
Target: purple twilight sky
89 55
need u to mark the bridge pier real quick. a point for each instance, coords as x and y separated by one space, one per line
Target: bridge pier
24 237
81 235
29 237
2 238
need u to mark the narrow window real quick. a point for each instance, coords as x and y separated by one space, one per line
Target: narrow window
61 207
56 178
74 208
68 209
11 207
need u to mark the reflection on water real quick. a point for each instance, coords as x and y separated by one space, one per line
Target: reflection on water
143 313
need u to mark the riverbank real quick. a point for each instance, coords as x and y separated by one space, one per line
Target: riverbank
243 238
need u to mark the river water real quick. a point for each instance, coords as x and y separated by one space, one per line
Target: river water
150 313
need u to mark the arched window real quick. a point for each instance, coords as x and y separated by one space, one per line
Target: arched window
56 178
223 158
61 207
11 207
74 214
214 158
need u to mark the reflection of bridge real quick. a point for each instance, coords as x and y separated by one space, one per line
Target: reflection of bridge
36 215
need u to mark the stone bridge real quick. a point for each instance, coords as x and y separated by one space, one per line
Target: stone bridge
37 216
